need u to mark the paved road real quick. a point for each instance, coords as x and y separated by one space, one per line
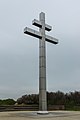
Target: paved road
26 115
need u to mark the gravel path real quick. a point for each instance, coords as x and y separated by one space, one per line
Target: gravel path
27 115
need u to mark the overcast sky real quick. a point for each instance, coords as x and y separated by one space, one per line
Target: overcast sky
19 53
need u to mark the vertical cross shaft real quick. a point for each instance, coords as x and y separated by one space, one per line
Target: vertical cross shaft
42 57
42 66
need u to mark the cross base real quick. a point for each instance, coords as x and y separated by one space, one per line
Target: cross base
42 112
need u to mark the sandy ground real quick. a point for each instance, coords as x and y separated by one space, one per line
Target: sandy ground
27 115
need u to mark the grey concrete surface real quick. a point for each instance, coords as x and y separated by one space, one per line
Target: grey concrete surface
42 56
29 115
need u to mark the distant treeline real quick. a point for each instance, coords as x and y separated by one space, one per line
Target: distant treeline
69 100
7 102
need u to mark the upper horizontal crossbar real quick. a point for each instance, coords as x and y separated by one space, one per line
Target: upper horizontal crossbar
38 24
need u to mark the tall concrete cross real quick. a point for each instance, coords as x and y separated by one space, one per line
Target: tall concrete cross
42 57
